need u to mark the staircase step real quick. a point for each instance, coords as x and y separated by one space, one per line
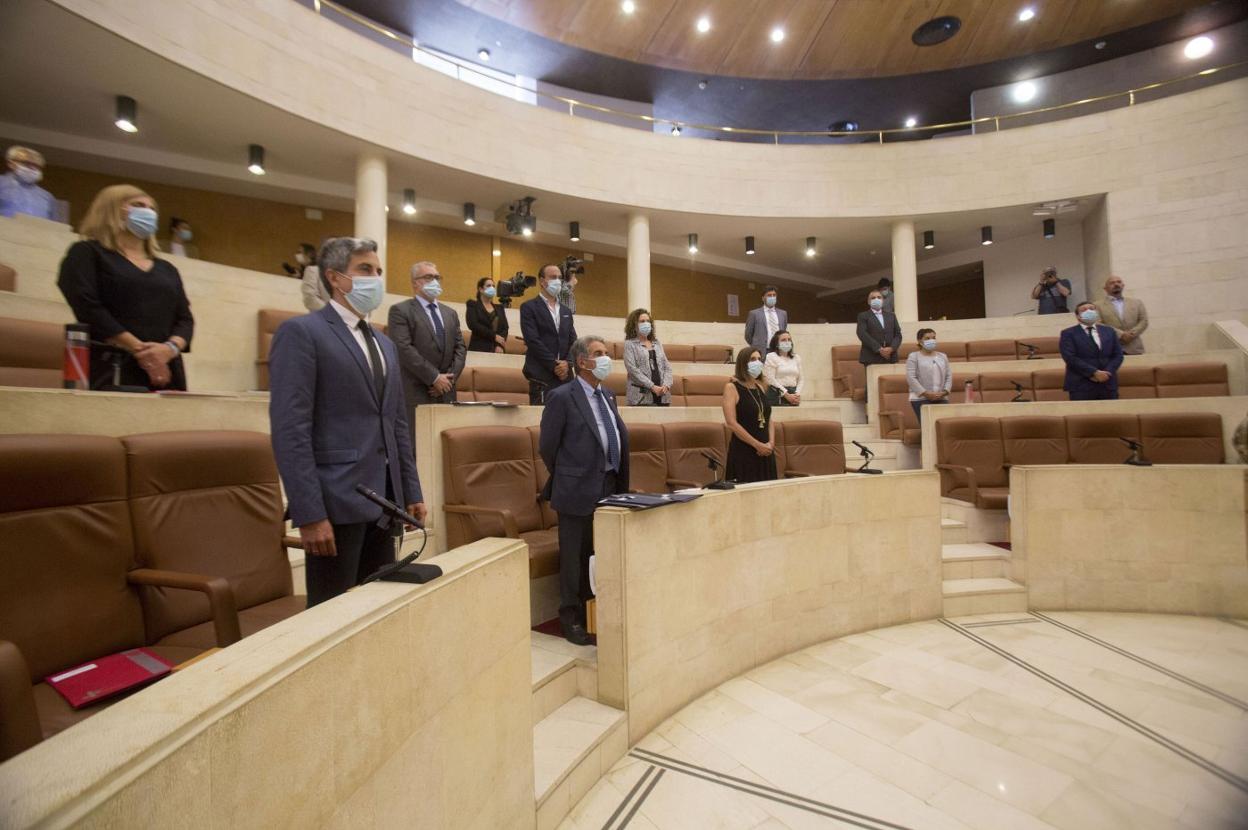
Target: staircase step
991 595
572 747
561 671
953 532
960 562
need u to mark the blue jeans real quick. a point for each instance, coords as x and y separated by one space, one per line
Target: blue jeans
922 403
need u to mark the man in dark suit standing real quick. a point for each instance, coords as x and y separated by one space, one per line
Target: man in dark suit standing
1093 356
548 331
762 323
337 418
584 445
878 332
431 350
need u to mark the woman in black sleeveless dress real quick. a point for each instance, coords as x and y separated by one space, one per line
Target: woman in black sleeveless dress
751 449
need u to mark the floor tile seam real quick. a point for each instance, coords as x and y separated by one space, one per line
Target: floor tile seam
645 776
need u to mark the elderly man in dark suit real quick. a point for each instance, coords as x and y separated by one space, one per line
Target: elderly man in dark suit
1093 356
337 418
584 445
878 332
549 331
431 350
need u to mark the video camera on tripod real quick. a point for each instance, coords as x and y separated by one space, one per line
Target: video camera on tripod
513 287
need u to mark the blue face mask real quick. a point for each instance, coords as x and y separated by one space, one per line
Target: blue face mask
432 289
930 345
554 287
755 368
142 222
366 292
602 366
489 291
645 328
1089 316
185 234
771 302
785 346
876 304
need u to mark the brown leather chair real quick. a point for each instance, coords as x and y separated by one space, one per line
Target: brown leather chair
1191 380
1034 439
1094 439
684 443
678 390
957 392
492 383
490 487
849 377
32 353
998 387
514 345
209 502
1136 382
615 348
617 382
267 322
705 390
677 353
647 460
981 351
549 517
906 350
971 461
1045 347
711 353
896 414
8 278
811 448
955 350
463 385
1046 385
1182 438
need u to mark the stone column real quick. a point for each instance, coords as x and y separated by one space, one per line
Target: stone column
905 272
638 261
370 201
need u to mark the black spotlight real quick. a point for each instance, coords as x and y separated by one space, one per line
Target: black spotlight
929 240
1050 228
985 235
574 231
936 31
470 214
127 114
255 159
749 246
693 243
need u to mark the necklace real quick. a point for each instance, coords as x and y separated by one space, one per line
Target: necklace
758 401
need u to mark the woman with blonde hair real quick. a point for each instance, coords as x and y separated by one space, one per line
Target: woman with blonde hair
133 301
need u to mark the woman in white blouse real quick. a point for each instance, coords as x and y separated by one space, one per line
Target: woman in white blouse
782 370
927 374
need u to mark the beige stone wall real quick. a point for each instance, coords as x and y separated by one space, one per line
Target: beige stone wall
393 705
1117 538
694 594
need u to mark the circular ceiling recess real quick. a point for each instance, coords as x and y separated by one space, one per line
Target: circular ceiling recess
935 31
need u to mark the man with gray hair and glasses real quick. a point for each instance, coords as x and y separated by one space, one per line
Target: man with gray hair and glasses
584 445
431 349
338 420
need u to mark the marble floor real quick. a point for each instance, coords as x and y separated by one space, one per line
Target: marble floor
994 722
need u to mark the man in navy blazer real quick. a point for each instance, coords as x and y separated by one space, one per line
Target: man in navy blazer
584 445
546 344
1093 356
338 419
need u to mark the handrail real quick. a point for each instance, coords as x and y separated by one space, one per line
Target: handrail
572 103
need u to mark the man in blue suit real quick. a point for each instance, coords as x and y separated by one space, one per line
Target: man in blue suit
1093 356
338 419
548 331
584 445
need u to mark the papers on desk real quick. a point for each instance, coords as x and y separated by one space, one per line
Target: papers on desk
645 501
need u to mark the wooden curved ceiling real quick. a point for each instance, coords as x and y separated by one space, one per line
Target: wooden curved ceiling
824 39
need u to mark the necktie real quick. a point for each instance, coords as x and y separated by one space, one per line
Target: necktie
1092 337
613 444
374 357
437 324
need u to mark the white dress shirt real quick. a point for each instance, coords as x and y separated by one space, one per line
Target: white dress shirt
352 322
591 395
1119 303
879 315
553 309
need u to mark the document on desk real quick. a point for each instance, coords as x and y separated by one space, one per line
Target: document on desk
645 501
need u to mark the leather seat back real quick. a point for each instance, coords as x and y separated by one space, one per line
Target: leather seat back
617 382
998 387
615 348
492 383
894 394
489 467
980 351
181 485
684 443
1046 384
1136 382
1192 380
267 322
705 390
678 390
1095 439
974 443
1035 439
65 548
849 377
647 460
711 353
906 350
1045 347
676 352
549 517
954 350
32 353
463 386
514 345
1182 438
813 447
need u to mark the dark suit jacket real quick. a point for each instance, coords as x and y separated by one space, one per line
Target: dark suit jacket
572 449
873 337
330 432
422 356
1082 359
481 324
544 344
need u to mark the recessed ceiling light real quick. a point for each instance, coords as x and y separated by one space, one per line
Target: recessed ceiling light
811 248
912 121
255 159
409 201
693 243
484 54
777 35
1026 14
1198 47
470 214
704 24
1024 92
628 7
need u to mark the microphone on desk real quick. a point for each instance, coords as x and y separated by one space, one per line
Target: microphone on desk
1033 352
713 463
1136 459
1018 393
390 508
867 454
406 569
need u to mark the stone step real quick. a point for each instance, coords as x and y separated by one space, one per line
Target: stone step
991 595
572 747
973 561
953 532
561 671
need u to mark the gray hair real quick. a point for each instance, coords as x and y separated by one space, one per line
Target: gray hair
581 348
418 265
336 253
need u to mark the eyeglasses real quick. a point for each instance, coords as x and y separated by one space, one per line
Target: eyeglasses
430 277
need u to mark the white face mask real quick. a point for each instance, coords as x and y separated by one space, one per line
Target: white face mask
432 289
785 346
554 287
28 175
877 304
930 345
754 367
602 366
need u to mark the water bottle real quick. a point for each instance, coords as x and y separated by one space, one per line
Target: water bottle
76 371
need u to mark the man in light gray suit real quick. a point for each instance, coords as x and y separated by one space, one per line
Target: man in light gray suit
1125 315
431 350
762 323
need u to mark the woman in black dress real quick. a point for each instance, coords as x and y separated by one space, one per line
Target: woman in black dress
751 449
486 320
132 301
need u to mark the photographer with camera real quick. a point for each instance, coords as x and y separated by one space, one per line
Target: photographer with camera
549 333
487 319
1051 292
572 269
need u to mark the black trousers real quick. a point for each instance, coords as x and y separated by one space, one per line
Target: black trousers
363 547
576 545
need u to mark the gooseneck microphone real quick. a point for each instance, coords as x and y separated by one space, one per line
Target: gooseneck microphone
1136 459
406 569
1018 393
867 454
715 465
388 506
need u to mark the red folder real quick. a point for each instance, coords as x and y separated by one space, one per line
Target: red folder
100 679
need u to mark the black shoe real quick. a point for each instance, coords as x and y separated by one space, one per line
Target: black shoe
576 634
